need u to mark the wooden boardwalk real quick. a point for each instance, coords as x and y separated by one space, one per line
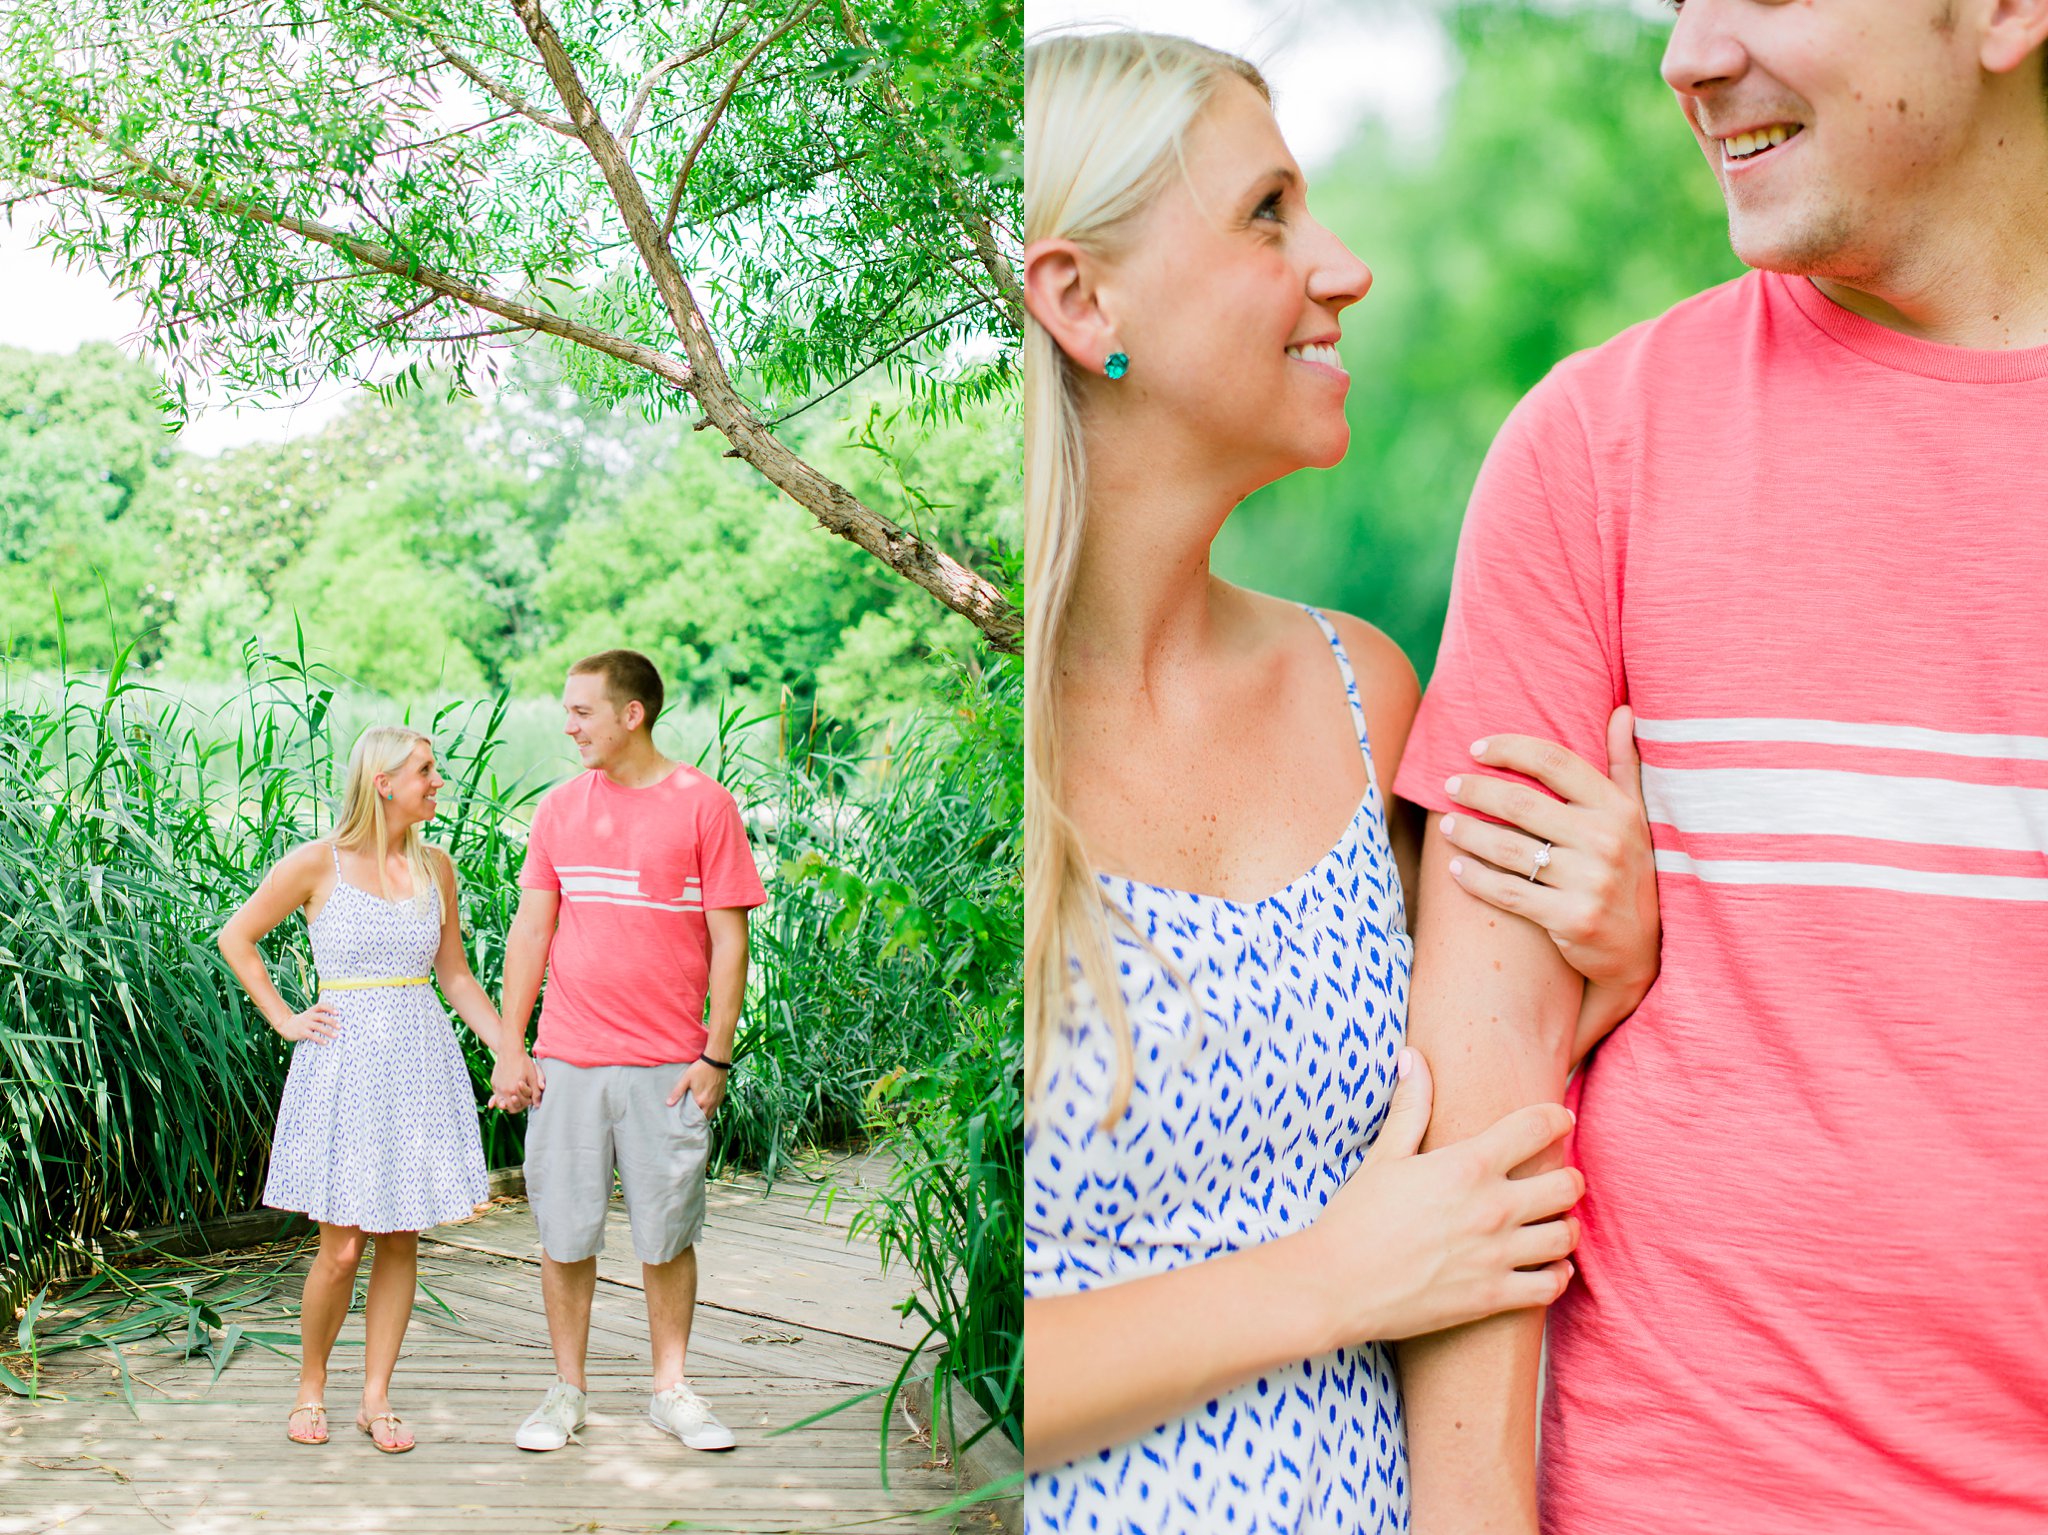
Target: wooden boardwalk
790 1319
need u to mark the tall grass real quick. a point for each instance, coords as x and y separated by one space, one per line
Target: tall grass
137 1087
948 907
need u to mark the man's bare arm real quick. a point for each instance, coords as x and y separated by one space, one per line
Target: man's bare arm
526 963
1493 1007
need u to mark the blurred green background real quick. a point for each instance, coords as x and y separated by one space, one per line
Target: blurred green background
1558 199
431 547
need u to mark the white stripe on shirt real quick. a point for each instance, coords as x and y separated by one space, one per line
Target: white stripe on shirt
1911 738
1814 802
1858 876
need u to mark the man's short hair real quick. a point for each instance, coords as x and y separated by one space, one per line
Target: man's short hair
629 677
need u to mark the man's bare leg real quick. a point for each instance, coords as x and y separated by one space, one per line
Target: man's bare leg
671 1289
566 1288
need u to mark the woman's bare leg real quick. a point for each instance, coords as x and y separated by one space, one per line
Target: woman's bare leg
394 1275
330 1286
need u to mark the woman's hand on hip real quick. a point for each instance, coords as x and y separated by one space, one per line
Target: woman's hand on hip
319 1023
1595 889
1419 1242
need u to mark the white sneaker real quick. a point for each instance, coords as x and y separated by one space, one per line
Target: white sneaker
549 1425
680 1411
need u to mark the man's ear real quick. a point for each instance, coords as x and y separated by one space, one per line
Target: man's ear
634 715
1062 292
2014 30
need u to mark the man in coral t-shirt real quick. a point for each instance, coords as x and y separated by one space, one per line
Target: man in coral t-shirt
1797 524
634 902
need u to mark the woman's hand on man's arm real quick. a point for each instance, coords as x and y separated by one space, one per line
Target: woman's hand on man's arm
1596 891
1410 1244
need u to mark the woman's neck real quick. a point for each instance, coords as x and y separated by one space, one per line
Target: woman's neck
1143 592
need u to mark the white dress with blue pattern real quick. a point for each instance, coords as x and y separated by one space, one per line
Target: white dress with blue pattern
378 1129
1263 1074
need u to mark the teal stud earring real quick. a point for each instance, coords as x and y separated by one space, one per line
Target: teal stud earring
1116 365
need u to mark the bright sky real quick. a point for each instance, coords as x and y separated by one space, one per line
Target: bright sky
46 308
1330 62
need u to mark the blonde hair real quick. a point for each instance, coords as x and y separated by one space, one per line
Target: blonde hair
359 823
1105 115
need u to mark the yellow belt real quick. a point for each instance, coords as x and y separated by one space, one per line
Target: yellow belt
395 980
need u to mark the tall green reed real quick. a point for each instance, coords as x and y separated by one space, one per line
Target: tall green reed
138 1088
934 908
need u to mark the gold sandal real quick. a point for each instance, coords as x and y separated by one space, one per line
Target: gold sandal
321 1423
369 1427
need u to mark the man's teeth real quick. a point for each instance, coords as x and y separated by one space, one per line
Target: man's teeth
1326 355
1741 146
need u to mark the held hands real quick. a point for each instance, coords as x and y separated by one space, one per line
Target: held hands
705 1083
1597 894
516 1082
1425 1242
318 1023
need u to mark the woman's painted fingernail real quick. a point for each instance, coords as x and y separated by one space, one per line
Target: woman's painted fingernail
1450 786
1457 868
1447 825
1404 1065
1479 748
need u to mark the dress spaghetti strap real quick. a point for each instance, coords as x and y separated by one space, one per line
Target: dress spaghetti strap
1350 687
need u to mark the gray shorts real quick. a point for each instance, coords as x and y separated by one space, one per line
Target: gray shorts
591 1119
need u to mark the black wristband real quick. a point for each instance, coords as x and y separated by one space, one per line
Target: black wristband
706 1060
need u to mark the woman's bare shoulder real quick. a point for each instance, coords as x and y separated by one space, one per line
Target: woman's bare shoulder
1387 683
1388 688
307 859
1385 674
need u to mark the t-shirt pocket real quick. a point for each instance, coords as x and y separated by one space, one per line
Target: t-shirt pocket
671 877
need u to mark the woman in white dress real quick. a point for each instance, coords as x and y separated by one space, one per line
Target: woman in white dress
377 1133
1227 1219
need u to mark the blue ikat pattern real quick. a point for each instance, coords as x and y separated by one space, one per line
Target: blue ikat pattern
378 1129
1263 1073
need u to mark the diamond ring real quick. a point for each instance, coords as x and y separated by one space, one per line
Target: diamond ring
1542 862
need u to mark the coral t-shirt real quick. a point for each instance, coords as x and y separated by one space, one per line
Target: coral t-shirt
637 869
1812 554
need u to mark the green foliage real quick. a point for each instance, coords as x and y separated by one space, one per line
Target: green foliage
138 1088
952 1211
184 1304
79 437
897 912
827 212
457 544
1563 200
936 902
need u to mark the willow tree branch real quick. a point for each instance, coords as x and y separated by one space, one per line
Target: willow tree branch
837 508
181 194
488 84
974 223
732 84
805 178
875 362
662 70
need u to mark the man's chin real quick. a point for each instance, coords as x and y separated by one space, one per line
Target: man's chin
1796 247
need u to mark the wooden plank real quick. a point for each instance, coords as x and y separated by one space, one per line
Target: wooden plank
200 1457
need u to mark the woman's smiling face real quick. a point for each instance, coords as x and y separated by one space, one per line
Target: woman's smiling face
1226 297
413 790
